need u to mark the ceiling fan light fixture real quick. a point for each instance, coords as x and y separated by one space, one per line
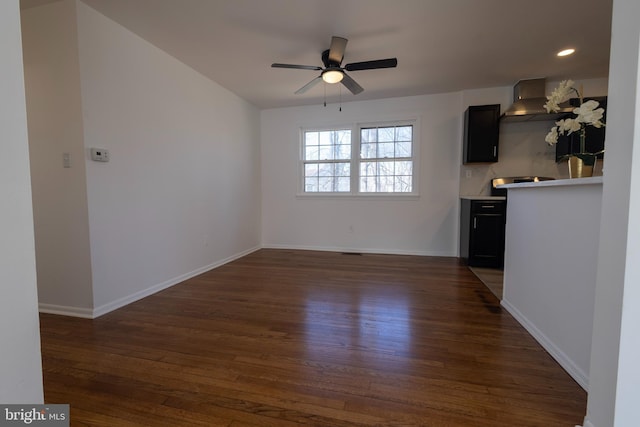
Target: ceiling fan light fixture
332 76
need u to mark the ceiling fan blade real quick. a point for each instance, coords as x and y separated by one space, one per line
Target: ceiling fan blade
298 67
309 85
351 84
372 65
336 51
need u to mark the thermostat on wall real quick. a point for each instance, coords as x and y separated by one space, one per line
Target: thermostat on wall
99 155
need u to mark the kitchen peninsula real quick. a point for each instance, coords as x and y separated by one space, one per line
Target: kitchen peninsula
551 251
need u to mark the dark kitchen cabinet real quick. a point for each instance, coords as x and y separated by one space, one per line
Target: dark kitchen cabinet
482 225
481 130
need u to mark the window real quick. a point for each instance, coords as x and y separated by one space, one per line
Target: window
385 160
327 164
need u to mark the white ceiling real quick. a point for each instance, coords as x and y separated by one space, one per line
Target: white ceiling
441 45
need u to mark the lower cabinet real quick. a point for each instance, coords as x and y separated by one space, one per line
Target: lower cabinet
482 224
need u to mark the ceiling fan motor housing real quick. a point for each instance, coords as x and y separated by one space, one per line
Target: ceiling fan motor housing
327 62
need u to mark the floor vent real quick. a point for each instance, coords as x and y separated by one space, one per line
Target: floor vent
352 253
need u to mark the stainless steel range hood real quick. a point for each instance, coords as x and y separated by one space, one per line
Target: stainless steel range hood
528 103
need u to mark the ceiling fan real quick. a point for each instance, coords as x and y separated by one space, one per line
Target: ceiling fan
333 72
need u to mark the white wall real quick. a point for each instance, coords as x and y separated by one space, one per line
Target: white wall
181 193
426 225
615 351
21 369
550 267
52 79
523 150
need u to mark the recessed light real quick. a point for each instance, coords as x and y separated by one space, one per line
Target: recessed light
566 52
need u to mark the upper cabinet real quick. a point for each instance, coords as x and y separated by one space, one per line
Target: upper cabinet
481 130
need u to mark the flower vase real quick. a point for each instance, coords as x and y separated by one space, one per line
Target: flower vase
578 168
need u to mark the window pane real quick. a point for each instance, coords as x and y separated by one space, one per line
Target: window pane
369 135
326 138
404 133
311 184
403 149
311 153
386 150
386 183
386 134
311 169
326 152
343 137
343 184
367 184
343 169
402 184
404 168
386 168
368 151
343 152
368 169
325 184
325 169
311 138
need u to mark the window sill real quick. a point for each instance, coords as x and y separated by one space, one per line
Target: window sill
359 196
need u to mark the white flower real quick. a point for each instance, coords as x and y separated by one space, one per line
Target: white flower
568 126
589 113
559 94
552 136
551 106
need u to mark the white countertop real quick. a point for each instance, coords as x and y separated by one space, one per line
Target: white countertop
484 197
594 180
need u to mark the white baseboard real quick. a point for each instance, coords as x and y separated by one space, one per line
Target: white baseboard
588 423
121 302
572 369
359 250
85 313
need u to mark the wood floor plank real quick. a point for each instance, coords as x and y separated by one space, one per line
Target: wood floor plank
289 338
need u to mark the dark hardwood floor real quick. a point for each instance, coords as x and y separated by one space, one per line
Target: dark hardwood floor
288 338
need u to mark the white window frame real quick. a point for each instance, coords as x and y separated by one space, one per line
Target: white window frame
355 160
304 161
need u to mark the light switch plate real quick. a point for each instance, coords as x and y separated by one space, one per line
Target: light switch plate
66 160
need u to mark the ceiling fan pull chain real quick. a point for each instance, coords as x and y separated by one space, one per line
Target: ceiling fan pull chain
324 85
340 89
